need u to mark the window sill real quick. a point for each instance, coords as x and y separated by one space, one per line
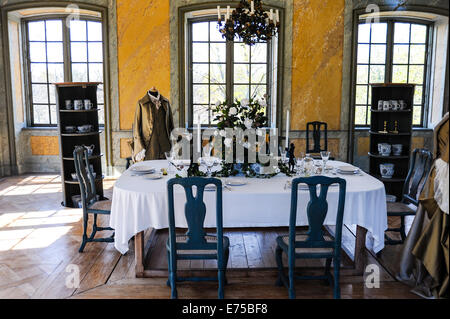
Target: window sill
40 128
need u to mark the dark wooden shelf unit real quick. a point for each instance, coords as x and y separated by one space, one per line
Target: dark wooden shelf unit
68 141
384 92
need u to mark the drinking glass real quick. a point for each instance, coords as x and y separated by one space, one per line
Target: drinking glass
169 157
283 155
299 166
209 162
325 156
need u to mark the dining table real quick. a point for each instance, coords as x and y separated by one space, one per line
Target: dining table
140 203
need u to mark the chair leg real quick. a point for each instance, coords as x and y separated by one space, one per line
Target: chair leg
221 279
291 279
279 259
327 271
84 237
337 287
227 256
173 276
94 228
168 264
402 228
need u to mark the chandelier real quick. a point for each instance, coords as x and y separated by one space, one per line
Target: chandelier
249 22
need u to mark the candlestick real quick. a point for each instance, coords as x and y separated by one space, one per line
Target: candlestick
218 13
277 16
252 7
287 129
198 134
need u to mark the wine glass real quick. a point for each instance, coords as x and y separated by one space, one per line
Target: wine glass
169 157
325 156
299 166
283 155
209 162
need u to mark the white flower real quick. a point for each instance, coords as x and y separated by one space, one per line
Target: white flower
245 102
223 133
259 132
233 111
248 123
216 132
263 103
218 103
246 145
228 142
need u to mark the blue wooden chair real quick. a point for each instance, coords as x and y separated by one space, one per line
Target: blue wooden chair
89 199
196 244
313 244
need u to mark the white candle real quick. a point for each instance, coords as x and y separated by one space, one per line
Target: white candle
287 129
252 7
228 13
218 12
198 134
277 16
271 14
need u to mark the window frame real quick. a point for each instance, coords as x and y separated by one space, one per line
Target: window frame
229 70
67 61
389 63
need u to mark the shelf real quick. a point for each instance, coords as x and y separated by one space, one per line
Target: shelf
90 157
390 111
388 157
390 134
81 134
78 111
390 180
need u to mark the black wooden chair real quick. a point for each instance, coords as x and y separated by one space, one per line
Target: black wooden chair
420 165
316 130
92 204
196 244
314 243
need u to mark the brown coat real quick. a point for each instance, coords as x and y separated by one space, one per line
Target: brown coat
143 126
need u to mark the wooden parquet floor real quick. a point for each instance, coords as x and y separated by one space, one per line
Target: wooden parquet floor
39 241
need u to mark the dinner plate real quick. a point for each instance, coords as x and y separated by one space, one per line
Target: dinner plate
142 169
210 188
347 170
235 182
152 176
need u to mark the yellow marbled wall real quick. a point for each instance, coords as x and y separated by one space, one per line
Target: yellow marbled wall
44 145
333 146
363 147
318 35
143 52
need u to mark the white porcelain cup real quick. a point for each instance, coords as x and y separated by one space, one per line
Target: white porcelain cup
386 105
78 104
397 149
403 105
387 170
380 105
87 104
395 105
68 104
384 149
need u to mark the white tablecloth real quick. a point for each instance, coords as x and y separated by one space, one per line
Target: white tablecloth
139 204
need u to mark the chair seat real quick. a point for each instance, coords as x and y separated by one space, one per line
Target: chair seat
399 208
104 205
283 241
182 239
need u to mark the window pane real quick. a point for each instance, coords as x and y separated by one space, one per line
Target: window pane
241 92
259 72
258 91
418 93
259 53
95 72
416 74
401 54
100 98
217 93
241 73
55 72
79 72
418 33
101 114
78 52
364 33
54 119
417 54
241 52
361 94
417 110
37 52
77 30
218 73
55 52
200 52
363 53
40 93
378 54
218 52
200 73
400 73
200 94
38 72
362 76
401 33
360 114
95 52
40 114
54 30
377 73
215 34
52 92
94 31
379 32
36 31
200 31
201 110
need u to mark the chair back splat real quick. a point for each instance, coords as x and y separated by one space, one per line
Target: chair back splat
316 128
420 165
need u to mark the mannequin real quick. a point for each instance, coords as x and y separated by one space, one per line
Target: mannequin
152 126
